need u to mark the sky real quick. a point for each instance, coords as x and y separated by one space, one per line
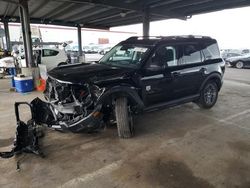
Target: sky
230 27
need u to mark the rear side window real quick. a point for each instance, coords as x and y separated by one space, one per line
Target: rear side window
48 52
191 54
211 51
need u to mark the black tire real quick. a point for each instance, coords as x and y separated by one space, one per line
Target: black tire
209 95
62 63
123 118
239 65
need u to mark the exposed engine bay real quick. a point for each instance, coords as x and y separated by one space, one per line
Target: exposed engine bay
74 107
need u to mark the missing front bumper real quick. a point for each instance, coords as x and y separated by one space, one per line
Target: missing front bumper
44 114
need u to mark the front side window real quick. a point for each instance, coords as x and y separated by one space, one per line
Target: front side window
48 52
126 55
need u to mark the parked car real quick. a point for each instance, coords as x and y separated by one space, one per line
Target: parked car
73 54
239 62
245 51
226 55
50 57
105 50
91 49
87 50
137 75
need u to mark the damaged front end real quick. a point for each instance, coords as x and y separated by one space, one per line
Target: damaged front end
73 107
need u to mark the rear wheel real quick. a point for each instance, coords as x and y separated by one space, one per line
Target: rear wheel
239 65
209 95
124 118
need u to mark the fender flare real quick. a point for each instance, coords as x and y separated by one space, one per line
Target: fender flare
213 76
122 91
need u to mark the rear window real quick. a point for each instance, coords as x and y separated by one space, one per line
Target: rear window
211 51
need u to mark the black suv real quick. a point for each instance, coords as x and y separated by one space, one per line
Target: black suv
139 74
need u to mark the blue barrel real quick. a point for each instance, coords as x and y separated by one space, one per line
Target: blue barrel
24 84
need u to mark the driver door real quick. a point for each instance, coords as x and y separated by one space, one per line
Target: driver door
158 80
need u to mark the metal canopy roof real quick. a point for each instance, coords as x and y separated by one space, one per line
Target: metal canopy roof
110 13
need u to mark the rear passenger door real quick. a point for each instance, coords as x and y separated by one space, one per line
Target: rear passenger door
189 72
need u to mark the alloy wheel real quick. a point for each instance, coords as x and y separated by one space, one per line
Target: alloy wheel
210 94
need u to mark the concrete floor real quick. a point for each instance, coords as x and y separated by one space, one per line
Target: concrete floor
178 147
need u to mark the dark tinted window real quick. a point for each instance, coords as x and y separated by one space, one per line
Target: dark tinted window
164 56
191 54
48 52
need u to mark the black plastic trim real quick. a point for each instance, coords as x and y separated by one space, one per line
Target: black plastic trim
172 103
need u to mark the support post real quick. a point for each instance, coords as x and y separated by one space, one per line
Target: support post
23 32
146 21
25 19
79 34
7 34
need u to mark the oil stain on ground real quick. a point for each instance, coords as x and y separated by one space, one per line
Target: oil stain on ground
175 174
240 146
237 174
159 173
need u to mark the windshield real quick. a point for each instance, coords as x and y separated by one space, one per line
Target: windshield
126 55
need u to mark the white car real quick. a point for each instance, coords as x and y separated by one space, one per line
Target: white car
50 57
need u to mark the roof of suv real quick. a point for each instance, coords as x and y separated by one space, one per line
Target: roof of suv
151 40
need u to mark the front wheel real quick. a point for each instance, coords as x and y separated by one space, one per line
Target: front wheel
239 65
209 95
124 118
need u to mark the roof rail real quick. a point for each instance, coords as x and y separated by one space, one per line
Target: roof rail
143 37
167 37
185 36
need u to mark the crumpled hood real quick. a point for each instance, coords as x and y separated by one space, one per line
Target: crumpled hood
86 72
